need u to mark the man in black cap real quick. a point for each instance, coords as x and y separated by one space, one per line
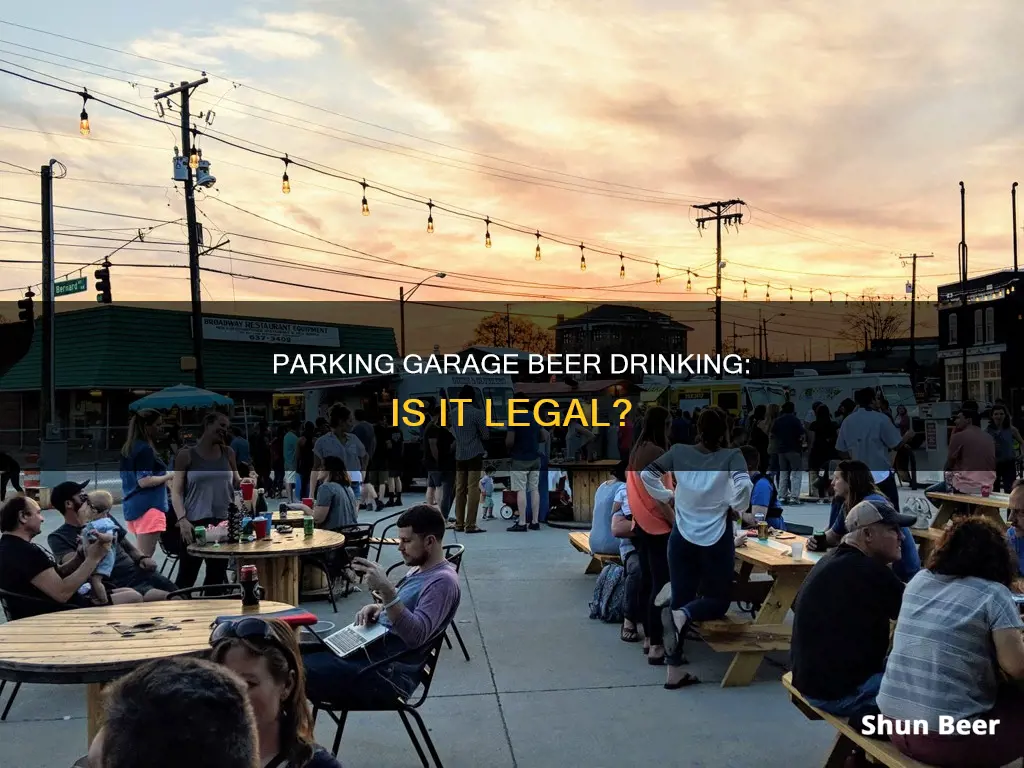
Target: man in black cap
132 570
842 614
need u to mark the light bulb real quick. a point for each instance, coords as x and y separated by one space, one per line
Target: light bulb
487 239
657 275
536 253
689 285
430 224
583 263
767 295
286 186
622 271
366 207
744 289
791 293
83 122
812 297
193 159
830 298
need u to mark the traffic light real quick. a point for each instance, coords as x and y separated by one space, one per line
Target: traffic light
25 311
103 284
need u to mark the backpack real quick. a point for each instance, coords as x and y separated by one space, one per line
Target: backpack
609 600
921 509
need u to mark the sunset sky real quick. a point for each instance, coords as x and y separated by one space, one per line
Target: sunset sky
845 127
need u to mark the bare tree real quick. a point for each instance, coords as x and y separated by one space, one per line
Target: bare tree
873 320
520 333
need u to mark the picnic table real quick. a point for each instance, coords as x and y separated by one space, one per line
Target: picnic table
276 558
750 640
94 646
986 505
585 477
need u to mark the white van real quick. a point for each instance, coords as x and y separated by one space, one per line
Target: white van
809 387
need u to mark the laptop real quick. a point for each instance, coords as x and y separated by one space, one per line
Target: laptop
350 639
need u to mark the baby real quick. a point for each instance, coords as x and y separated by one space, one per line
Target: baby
487 494
98 520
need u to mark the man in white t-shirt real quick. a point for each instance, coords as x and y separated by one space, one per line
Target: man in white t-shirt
868 435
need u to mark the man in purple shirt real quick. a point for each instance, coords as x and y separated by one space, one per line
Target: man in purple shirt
414 611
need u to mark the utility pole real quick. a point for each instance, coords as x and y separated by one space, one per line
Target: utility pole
760 349
184 91
48 397
401 319
963 324
718 212
508 325
1013 199
913 313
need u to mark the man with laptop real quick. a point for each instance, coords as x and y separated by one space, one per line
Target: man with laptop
407 616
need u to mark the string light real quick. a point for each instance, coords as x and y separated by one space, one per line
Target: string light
430 217
83 119
744 289
286 186
812 295
767 292
583 260
689 284
657 274
536 253
622 266
830 298
487 232
847 299
791 293
366 205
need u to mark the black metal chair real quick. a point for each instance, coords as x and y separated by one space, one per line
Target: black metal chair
33 603
208 592
169 559
453 554
332 564
382 540
406 707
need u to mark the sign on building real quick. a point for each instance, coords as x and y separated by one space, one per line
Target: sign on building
270 332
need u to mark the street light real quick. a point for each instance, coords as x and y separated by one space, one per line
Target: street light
403 297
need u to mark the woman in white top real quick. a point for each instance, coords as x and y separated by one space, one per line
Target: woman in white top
710 480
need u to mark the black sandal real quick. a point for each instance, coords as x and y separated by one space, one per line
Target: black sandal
629 635
686 680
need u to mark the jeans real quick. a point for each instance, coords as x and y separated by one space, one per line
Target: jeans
707 571
860 702
789 466
654 574
189 565
467 491
635 607
939 487
13 477
1006 474
447 491
337 681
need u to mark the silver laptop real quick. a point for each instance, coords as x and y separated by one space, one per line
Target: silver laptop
350 639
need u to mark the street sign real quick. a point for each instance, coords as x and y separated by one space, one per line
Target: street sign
67 287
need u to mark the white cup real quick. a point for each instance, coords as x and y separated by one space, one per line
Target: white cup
797 550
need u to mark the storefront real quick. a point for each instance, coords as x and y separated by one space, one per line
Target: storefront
111 355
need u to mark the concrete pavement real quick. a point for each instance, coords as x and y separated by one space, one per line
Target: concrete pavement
546 686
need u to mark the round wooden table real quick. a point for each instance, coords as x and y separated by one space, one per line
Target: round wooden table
277 558
95 646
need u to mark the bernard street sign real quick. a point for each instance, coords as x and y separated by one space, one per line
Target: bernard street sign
67 287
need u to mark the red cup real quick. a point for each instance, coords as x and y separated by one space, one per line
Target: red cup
259 525
986 490
248 488
308 503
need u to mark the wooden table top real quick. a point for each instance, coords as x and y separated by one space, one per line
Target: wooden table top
927 534
774 554
996 500
87 645
291 545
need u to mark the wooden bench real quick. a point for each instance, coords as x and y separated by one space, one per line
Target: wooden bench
580 541
847 738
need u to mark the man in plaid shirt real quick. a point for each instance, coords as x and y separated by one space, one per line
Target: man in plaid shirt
470 438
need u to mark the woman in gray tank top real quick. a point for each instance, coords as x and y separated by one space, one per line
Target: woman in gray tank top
1003 435
205 478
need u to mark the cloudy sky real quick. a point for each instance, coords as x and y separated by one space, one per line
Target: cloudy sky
844 127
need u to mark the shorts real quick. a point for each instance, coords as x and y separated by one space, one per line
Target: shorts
435 479
291 477
525 475
377 477
153 521
488 501
144 581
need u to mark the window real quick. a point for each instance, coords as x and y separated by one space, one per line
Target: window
953 382
952 328
990 325
979 328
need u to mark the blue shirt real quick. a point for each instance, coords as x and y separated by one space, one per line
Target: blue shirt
526 447
761 496
910 560
787 431
142 462
241 448
601 540
1017 545
290 448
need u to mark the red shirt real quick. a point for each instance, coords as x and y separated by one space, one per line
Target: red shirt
641 504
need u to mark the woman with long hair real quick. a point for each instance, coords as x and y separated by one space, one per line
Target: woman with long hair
265 654
759 436
957 638
1004 434
652 526
336 504
205 478
852 483
823 448
304 461
144 480
710 481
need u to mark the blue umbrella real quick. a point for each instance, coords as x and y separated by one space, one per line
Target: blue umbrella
180 396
